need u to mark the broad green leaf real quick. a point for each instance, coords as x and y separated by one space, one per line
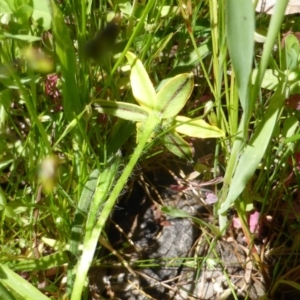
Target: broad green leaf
291 51
19 285
142 87
240 39
13 4
174 143
22 14
104 185
270 80
125 7
42 13
290 127
122 110
172 97
9 212
5 7
168 10
254 151
197 128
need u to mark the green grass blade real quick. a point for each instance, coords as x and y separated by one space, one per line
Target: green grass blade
5 293
28 101
254 151
19 285
44 263
65 51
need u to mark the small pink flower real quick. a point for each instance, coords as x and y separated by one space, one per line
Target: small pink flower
52 90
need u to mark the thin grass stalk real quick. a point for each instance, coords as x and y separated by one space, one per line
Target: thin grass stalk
28 103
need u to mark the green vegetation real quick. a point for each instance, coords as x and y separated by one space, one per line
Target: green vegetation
81 108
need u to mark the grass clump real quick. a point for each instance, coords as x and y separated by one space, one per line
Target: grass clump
91 90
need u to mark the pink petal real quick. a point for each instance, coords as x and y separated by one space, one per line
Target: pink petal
253 221
236 223
211 198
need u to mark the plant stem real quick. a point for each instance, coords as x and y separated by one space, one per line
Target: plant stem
91 243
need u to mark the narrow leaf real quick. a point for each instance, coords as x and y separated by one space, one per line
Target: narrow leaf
240 38
4 292
65 51
19 285
197 128
253 153
122 110
173 95
178 213
23 37
290 283
274 28
82 211
44 263
79 223
142 87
